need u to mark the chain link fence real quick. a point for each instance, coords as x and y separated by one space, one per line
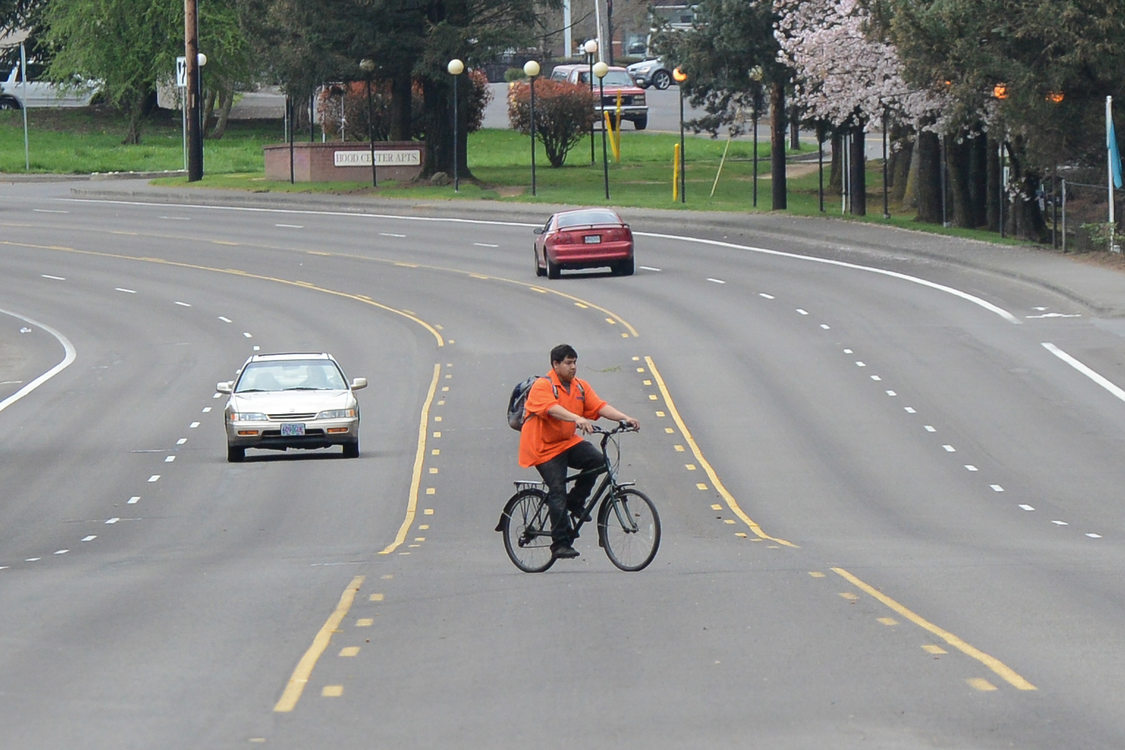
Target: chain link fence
1076 208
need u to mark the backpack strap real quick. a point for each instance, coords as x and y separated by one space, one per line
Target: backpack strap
581 390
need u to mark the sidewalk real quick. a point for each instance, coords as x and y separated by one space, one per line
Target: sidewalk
1098 286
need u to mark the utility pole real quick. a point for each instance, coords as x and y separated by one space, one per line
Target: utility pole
191 100
609 27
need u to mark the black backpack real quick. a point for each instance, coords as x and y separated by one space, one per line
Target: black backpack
518 400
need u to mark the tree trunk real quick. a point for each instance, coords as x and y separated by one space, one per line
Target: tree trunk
1025 219
994 201
900 162
836 170
929 178
226 102
439 136
136 114
857 170
957 167
794 127
777 145
910 188
978 180
401 108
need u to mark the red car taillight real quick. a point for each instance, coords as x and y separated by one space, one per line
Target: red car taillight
563 238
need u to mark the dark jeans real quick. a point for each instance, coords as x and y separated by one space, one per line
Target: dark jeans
581 456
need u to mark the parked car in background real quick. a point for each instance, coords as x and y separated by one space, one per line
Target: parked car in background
584 238
651 73
16 93
291 400
616 84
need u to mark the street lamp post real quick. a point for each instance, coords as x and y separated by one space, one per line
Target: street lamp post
201 60
754 118
531 70
455 68
367 65
680 77
600 69
591 47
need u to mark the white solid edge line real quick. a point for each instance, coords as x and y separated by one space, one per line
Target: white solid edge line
854 266
717 243
1085 370
69 357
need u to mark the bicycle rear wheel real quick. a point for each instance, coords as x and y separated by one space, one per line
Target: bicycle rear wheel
629 528
526 526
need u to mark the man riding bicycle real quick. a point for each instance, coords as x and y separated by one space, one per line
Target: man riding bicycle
558 406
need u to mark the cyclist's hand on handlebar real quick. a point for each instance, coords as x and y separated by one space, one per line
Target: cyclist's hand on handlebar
585 426
630 423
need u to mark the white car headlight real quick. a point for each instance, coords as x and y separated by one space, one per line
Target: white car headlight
337 414
248 416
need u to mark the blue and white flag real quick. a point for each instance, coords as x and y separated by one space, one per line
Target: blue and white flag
1111 144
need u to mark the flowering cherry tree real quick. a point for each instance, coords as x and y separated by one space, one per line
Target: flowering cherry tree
846 76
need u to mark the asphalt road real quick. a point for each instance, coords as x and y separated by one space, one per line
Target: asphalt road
891 510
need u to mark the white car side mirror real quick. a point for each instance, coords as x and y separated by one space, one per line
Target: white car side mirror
224 387
358 383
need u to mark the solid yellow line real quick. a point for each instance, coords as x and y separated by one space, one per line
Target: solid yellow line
419 460
303 671
1003 671
722 490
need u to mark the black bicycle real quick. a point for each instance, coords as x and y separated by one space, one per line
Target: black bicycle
628 525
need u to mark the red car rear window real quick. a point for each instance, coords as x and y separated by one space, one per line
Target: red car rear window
585 218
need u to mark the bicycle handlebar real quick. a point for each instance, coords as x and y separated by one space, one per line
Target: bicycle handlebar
621 427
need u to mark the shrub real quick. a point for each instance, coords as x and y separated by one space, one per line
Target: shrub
564 113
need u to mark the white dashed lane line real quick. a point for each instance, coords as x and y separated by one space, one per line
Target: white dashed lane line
949 447
168 459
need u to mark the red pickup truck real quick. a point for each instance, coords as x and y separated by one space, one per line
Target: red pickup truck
616 82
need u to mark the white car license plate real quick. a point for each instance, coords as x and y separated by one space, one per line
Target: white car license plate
593 239
289 429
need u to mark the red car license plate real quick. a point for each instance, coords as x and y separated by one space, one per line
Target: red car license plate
292 428
593 239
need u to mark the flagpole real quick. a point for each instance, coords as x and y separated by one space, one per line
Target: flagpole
1111 151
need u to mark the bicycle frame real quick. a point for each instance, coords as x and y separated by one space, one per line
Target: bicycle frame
604 489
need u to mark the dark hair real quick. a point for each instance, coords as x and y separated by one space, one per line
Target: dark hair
561 352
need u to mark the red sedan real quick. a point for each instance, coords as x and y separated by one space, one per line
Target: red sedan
584 238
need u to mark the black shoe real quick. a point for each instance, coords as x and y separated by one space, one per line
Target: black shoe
565 551
579 513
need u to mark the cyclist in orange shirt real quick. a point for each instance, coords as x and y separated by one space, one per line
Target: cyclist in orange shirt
558 406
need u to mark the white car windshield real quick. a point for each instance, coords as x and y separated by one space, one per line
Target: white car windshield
291 375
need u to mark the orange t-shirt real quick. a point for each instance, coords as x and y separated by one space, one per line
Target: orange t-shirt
543 437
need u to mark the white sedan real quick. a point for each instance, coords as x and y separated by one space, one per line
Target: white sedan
292 400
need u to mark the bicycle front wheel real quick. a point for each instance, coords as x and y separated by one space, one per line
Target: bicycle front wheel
526 525
629 528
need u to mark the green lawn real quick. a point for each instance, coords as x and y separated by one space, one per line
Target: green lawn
719 173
